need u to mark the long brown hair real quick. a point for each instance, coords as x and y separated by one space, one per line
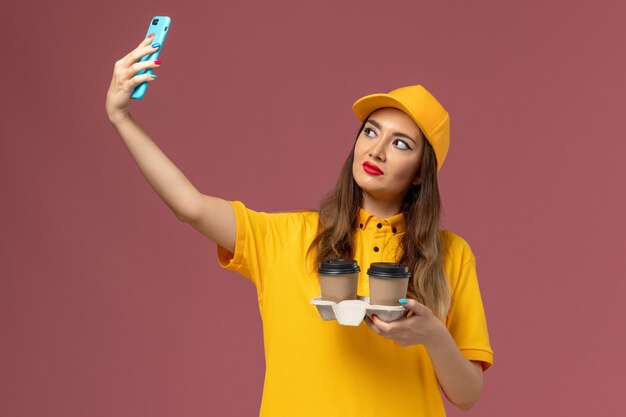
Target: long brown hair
421 246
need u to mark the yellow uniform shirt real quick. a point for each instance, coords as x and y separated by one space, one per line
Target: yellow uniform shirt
321 368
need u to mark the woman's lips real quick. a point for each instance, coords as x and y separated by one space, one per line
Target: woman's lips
372 169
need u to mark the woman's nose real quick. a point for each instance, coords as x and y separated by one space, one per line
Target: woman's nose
377 151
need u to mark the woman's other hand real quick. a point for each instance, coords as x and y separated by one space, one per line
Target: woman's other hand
124 80
419 327
461 380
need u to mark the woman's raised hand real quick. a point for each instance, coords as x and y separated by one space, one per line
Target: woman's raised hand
124 80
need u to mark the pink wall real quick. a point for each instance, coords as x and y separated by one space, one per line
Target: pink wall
110 306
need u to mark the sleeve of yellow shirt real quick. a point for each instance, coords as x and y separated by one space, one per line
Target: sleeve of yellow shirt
466 319
261 239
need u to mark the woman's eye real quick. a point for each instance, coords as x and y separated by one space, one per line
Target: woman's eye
400 144
369 132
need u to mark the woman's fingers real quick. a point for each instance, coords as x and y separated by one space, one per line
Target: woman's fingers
139 66
137 54
417 308
138 79
144 48
125 79
382 326
135 78
369 323
130 65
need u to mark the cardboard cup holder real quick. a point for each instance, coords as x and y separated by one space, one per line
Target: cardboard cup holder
352 312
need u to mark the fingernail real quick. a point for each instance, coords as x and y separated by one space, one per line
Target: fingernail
157 61
153 76
374 317
403 301
156 45
151 35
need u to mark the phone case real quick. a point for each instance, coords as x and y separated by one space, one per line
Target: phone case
159 25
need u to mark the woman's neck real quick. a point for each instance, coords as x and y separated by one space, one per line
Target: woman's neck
382 209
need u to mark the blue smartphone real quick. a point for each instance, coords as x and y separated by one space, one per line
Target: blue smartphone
159 25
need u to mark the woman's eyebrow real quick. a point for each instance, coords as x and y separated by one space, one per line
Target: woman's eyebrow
375 123
403 135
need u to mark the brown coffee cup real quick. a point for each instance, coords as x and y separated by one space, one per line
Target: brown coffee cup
339 279
388 283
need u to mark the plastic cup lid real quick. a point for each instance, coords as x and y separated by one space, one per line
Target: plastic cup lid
388 270
338 267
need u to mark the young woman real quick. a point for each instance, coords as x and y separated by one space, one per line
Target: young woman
385 207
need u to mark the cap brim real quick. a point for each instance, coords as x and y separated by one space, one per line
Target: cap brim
364 106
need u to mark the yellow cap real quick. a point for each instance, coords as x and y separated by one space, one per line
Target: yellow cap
421 106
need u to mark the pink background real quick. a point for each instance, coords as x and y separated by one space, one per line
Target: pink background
110 306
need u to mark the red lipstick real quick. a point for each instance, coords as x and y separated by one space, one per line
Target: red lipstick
372 169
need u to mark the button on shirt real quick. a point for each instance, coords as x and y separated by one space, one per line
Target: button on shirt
377 241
